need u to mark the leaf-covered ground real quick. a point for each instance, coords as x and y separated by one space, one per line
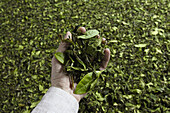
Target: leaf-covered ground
137 78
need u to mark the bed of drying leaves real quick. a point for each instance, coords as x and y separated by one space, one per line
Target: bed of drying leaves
137 77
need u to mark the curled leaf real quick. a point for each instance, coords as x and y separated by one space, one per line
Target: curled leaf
60 57
81 62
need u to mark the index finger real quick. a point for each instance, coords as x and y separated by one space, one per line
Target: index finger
105 59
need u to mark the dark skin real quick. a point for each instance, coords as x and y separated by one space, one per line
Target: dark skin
60 78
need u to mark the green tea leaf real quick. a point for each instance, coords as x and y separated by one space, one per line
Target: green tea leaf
41 88
113 41
84 84
87 83
140 45
98 73
95 42
92 33
20 47
81 62
89 34
75 68
34 104
60 57
158 51
82 37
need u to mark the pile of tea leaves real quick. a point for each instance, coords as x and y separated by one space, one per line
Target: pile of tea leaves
82 59
137 31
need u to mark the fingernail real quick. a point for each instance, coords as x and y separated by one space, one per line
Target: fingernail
81 30
107 50
101 68
104 41
68 35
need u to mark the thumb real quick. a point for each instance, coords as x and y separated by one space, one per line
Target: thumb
64 45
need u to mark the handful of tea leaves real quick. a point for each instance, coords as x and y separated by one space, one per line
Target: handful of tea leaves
82 59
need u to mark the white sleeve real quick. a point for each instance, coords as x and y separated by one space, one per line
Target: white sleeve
57 100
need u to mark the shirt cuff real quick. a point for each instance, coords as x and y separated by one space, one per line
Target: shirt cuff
57 100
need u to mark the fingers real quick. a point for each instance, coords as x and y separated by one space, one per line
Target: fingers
81 30
104 41
106 59
68 35
106 56
63 45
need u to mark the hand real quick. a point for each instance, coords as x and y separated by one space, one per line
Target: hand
60 78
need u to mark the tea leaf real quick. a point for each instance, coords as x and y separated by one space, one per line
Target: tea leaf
92 33
34 104
140 45
88 82
41 88
113 41
60 57
95 42
89 34
69 68
84 85
98 73
81 62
